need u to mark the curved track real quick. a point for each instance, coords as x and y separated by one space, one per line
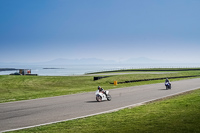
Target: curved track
30 113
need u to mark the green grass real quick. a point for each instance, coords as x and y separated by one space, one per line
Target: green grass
15 88
148 70
179 114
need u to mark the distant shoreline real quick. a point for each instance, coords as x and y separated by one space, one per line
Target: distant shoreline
8 69
53 68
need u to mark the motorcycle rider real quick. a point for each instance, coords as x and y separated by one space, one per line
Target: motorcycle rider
167 80
102 90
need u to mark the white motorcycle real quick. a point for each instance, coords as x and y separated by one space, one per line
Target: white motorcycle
100 96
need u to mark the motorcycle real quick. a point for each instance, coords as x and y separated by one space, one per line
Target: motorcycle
100 96
168 85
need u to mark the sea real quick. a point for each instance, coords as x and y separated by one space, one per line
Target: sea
81 69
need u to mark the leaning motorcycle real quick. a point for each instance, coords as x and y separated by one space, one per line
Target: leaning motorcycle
168 85
100 96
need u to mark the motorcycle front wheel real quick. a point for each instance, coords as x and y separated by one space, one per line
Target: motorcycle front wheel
98 98
109 97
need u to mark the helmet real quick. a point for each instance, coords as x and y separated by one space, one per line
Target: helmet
99 87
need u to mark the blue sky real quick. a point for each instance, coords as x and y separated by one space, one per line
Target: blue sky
43 30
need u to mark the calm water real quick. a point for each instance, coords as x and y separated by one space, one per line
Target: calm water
67 70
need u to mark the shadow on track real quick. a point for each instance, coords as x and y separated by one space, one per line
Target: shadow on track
91 101
95 101
161 89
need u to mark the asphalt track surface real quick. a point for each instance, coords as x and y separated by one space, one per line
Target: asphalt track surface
30 113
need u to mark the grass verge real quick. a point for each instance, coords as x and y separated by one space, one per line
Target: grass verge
15 88
179 114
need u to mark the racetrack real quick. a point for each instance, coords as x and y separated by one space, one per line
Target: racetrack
29 113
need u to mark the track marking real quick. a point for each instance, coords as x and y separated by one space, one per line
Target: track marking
109 111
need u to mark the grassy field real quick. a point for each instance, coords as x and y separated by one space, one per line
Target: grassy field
179 114
15 88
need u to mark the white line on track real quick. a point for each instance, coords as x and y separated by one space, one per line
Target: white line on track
113 110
